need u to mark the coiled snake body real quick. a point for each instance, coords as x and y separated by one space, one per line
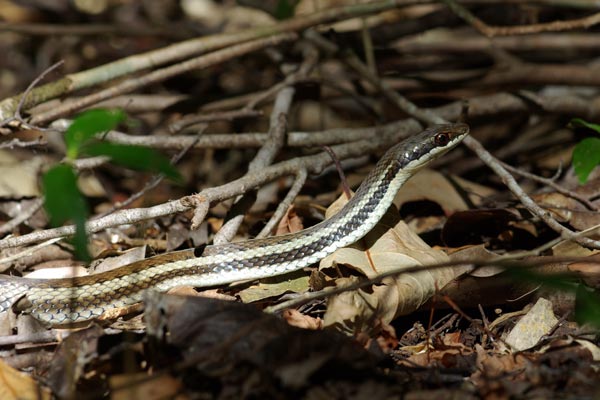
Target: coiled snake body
71 300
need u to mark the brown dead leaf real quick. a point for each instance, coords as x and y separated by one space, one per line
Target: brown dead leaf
492 365
431 185
299 320
453 355
567 209
15 385
138 386
290 223
568 248
294 282
384 249
589 272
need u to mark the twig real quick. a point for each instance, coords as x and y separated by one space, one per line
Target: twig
159 75
498 262
154 181
22 217
313 164
17 115
285 204
27 252
87 29
11 144
37 337
552 184
210 117
491 31
340 171
264 157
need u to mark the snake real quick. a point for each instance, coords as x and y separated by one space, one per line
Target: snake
79 299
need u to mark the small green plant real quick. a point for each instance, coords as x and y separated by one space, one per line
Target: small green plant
586 155
587 300
63 200
285 9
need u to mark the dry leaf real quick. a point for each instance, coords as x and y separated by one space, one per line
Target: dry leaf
15 385
138 386
535 324
299 320
389 249
431 185
295 282
290 222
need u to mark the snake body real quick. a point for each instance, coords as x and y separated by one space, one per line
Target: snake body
72 300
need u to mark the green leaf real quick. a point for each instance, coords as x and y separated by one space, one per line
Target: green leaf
134 157
64 202
563 282
87 125
587 306
579 122
586 156
285 9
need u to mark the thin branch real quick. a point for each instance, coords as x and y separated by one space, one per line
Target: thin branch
211 117
154 181
552 184
265 156
25 96
494 164
285 204
491 31
160 75
8 226
313 164
507 263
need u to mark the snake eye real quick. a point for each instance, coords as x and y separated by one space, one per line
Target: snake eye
441 139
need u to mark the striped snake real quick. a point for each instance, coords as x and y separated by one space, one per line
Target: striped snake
72 300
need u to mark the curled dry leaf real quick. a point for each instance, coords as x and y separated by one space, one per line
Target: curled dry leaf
434 186
390 246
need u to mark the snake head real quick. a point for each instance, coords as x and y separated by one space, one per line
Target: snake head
419 150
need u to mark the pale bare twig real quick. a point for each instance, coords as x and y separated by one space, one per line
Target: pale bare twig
264 157
552 184
491 31
507 263
313 164
285 204
431 118
17 114
159 75
340 171
11 144
154 181
210 117
22 217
